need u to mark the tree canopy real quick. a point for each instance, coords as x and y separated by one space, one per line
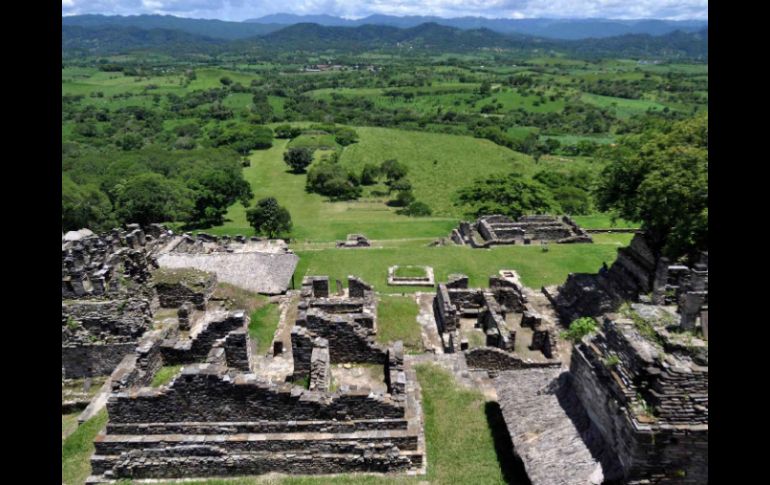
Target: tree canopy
269 218
511 195
661 179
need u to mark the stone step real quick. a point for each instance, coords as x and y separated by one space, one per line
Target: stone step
189 464
273 442
196 427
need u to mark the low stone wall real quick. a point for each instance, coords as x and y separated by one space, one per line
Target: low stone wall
222 399
140 465
178 286
237 350
93 360
196 349
348 341
320 370
494 359
255 427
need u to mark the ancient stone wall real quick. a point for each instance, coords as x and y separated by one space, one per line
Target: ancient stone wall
222 399
320 369
495 359
86 360
444 311
236 347
348 341
176 287
197 348
648 453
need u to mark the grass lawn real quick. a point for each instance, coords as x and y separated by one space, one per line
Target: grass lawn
535 266
410 272
77 449
264 321
164 375
69 423
397 320
603 221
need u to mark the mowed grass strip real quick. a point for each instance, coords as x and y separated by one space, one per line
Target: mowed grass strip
77 449
264 321
397 320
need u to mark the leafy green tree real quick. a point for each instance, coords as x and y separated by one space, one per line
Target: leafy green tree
151 197
331 179
345 136
226 81
393 170
486 88
269 218
370 174
287 131
404 198
298 158
662 181
510 195
84 206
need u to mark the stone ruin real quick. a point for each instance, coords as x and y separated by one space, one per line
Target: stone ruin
637 270
259 265
633 406
178 286
106 296
495 230
426 280
645 388
497 328
354 241
221 416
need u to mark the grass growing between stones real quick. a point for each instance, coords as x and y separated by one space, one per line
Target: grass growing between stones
164 375
77 449
262 327
397 320
410 272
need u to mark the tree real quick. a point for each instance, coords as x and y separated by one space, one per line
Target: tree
370 174
511 195
298 158
345 136
226 81
331 179
151 197
486 88
661 179
84 206
269 218
393 171
287 131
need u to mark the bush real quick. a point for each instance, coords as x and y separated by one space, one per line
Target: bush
298 159
416 209
370 174
331 179
579 329
287 131
346 136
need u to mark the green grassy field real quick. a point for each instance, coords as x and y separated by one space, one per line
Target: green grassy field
396 320
456 454
536 267
603 221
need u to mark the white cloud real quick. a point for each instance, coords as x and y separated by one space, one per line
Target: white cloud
243 9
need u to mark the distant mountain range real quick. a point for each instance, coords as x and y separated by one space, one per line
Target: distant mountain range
567 29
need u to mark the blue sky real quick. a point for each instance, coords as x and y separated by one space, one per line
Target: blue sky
244 9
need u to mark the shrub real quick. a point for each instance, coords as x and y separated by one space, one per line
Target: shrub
331 179
416 209
579 329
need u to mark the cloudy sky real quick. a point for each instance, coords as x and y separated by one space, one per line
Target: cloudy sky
244 9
